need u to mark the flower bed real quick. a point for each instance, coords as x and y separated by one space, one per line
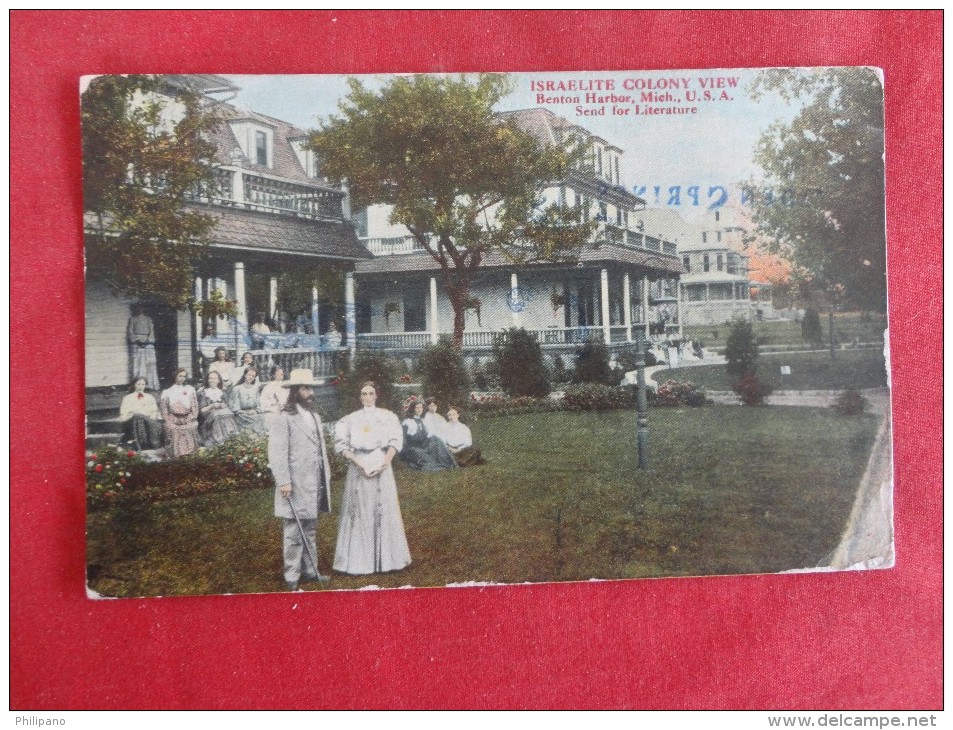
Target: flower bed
675 393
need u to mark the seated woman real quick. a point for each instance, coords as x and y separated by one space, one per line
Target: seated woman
273 396
237 374
216 421
459 441
243 400
223 366
180 411
142 424
422 451
433 420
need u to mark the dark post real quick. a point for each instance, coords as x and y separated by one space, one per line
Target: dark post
641 403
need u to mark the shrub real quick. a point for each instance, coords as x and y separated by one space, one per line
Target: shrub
375 366
752 390
592 365
811 327
520 364
109 471
741 350
560 373
598 397
443 373
850 403
500 405
674 393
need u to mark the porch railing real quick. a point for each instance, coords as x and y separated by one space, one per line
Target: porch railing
323 363
483 339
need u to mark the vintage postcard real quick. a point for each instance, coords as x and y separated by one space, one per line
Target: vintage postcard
444 330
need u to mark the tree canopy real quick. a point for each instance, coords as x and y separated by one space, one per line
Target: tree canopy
823 204
143 153
463 181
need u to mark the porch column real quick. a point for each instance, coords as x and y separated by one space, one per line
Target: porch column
678 306
604 286
272 297
627 309
240 301
350 313
645 304
238 186
199 324
434 329
315 320
514 294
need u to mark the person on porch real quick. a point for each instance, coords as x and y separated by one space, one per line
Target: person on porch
140 333
332 338
237 373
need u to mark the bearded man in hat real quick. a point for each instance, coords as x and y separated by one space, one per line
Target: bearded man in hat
298 459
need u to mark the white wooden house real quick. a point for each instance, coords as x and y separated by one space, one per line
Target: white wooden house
627 282
274 214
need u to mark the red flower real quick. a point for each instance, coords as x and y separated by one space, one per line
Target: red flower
249 466
99 467
130 454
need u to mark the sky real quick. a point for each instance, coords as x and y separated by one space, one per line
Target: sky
713 146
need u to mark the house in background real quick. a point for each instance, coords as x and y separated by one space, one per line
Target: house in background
275 216
716 287
628 282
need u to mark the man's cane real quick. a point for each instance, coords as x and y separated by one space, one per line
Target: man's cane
304 541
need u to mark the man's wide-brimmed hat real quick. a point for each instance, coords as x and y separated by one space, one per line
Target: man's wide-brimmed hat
301 376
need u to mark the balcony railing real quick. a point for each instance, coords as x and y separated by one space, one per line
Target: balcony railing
241 189
393 246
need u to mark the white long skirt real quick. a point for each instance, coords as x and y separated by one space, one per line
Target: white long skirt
371 535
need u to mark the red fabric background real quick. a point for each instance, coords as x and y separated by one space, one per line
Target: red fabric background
849 640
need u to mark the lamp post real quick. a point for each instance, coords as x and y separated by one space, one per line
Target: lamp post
641 400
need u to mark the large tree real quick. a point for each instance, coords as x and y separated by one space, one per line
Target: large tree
463 181
144 152
823 202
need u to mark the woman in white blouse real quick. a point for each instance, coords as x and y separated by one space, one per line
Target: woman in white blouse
371 535
459 440
142 423
273 396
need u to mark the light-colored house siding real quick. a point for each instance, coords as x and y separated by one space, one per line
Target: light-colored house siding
107 354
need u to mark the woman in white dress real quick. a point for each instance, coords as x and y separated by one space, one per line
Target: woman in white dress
243 400
273 396
371 535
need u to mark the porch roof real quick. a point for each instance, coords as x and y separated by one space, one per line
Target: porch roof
252 230
263 231
607 253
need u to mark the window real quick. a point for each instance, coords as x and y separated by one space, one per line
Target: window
616 170
719 262
705 262
598 160
261 149
687 261
603 212
705 240
694 292
618 216
718 235
717 215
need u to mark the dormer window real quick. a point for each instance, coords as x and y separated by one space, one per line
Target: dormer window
261 148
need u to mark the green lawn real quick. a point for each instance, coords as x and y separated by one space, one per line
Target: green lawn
809 371
848 326
731 490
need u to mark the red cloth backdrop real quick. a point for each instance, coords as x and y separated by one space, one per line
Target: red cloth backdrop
856 640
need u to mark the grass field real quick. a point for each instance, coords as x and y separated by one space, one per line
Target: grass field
730 490
848 326
809 371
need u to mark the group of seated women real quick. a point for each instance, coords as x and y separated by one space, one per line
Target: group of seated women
434 443
184 419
